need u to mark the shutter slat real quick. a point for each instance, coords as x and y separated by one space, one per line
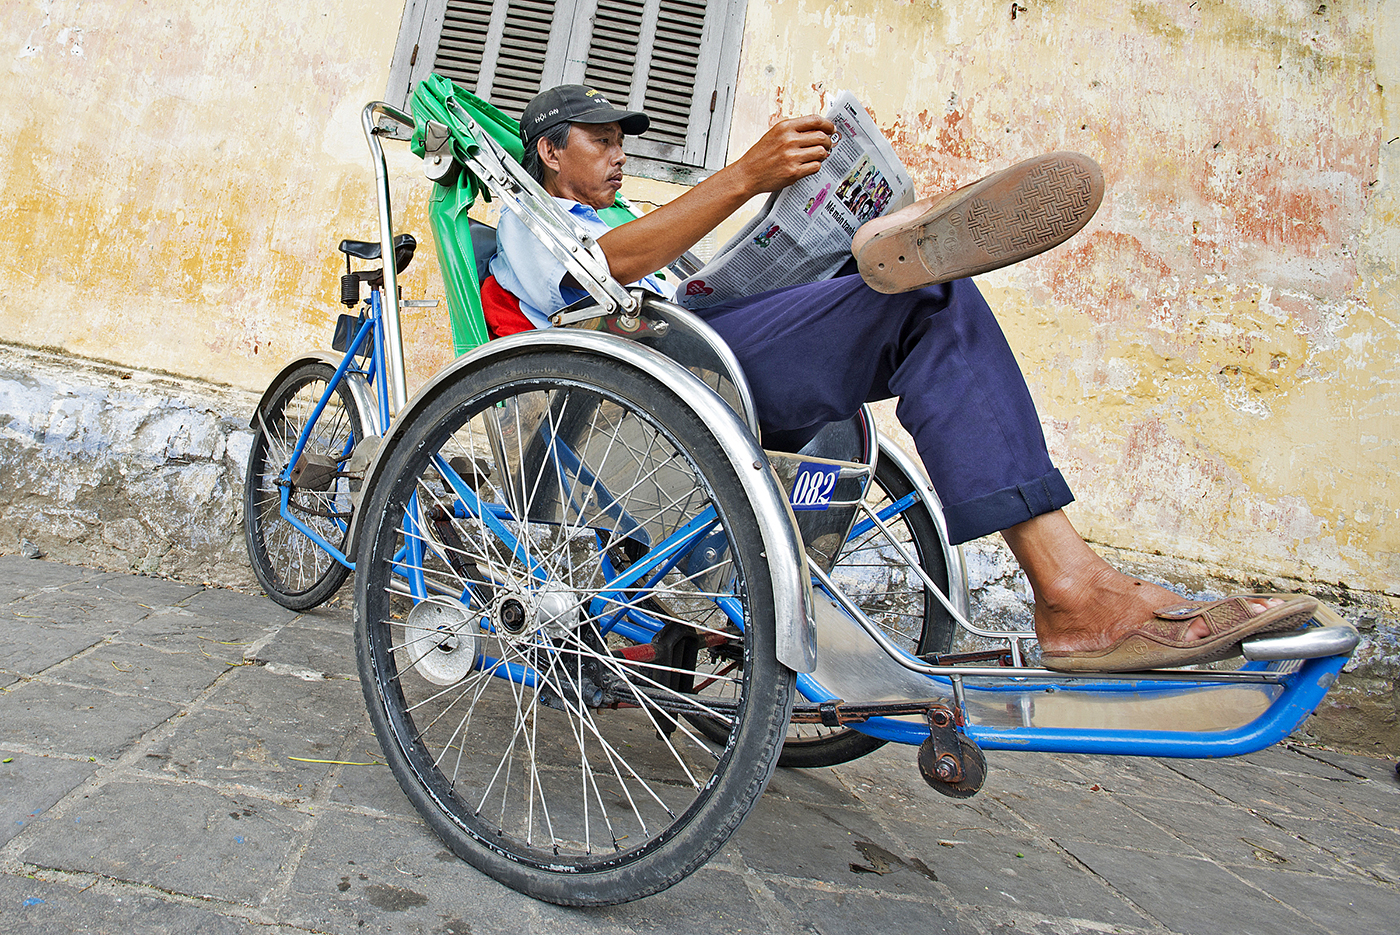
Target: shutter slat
612 55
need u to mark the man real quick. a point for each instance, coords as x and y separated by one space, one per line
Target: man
814 353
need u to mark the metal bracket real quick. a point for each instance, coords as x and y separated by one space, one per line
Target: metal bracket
438 164
947 748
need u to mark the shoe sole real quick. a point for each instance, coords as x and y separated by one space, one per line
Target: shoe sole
1005 218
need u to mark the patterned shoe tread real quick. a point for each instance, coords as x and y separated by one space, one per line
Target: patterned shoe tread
1047 207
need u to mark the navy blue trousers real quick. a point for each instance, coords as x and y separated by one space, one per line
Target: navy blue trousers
814 353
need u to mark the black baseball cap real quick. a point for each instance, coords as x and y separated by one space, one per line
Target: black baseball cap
575 103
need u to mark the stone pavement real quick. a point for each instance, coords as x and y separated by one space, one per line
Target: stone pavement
165 769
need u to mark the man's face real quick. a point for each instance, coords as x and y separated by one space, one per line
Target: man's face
589 169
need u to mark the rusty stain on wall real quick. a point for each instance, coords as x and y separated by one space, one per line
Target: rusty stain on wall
1215 356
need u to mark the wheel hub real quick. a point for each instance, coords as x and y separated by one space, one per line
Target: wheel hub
519 613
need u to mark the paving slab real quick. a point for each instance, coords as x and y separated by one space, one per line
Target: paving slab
47 718
168 674
30 906
1270 791
30 646
369 786
1192 896
176 628
838 844
236 607
31 785
1367 847
27 575
1343 905
1124 774
1384 771
860 913
178 837
83 605
264 731
1228 836
364 873
311 649
1016 871
1078 813
151 592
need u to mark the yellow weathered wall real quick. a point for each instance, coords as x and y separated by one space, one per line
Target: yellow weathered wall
174 178
1215 356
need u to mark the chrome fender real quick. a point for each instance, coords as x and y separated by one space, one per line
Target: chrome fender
359 388
796 635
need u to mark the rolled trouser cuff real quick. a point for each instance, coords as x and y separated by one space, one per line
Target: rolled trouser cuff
973 519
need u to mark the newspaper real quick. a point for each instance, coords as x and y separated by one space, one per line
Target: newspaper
803 233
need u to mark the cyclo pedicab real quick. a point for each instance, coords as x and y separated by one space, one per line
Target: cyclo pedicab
589 621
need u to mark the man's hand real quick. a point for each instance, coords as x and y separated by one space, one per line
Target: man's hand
792 149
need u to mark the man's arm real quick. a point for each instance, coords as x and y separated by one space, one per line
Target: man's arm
790 150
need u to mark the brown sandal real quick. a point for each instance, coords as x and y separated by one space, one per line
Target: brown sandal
1161 643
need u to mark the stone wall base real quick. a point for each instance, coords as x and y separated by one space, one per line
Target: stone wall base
122 469
139 472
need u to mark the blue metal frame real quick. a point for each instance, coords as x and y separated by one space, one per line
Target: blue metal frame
1301 693
370 330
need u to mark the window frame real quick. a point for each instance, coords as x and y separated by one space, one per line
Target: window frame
566 60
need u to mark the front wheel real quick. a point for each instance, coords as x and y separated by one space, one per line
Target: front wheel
559 570
293 570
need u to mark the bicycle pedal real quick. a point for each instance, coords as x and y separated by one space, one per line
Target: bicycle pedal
474 473
314 471
363 455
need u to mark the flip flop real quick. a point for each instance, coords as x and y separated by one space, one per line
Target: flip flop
1162 642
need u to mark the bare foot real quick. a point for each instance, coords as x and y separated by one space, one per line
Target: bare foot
1082 602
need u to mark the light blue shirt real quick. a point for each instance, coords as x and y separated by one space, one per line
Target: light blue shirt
526 269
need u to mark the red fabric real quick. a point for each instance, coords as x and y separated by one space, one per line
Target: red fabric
502 310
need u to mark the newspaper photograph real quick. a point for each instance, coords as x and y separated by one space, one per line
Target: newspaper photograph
803 232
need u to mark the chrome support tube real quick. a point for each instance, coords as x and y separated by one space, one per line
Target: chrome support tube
913 469
540 213
393 335
963 621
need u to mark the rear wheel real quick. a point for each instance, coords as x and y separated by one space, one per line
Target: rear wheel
293 570
562 571
871 572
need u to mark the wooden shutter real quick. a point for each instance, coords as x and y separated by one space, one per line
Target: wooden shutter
524 50
675 58
661 56
497 48
462 45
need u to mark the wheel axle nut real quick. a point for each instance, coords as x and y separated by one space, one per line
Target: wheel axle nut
948 768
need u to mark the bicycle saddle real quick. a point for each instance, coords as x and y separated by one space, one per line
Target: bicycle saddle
404 245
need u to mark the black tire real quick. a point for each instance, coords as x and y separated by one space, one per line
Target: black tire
293 570
578 780
871 573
